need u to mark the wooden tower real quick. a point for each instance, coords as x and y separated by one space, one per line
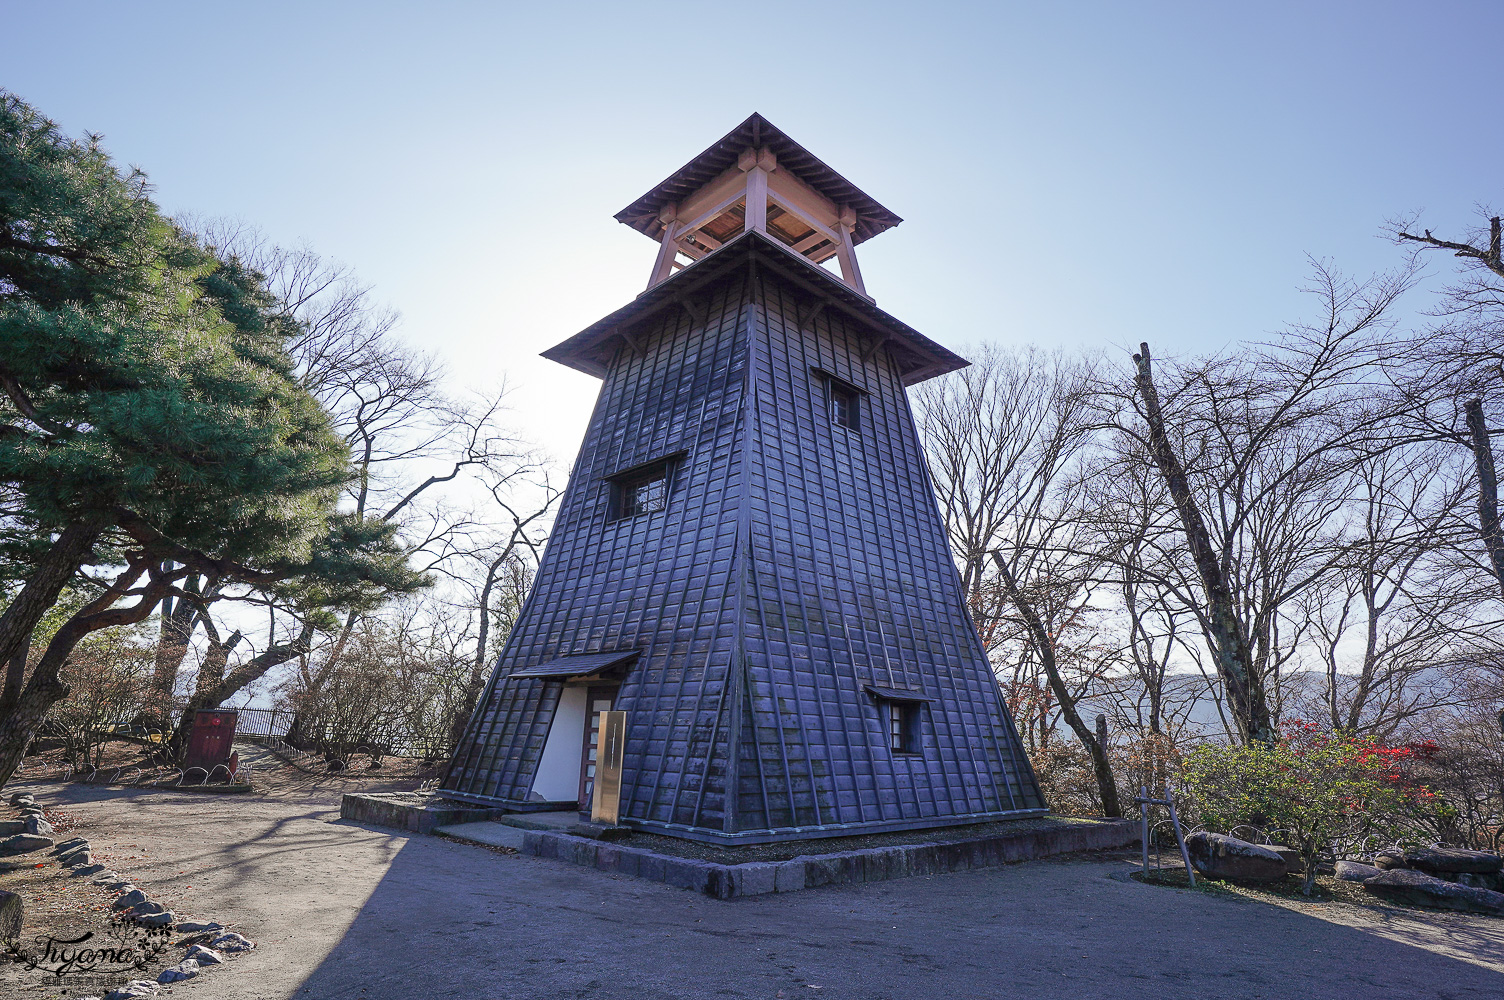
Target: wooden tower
749 561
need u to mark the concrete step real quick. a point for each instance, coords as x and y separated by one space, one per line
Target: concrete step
542 820
489 832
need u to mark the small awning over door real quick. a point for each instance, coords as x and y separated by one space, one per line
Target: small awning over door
586 665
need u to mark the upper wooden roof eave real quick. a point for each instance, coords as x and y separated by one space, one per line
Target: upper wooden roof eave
872 217
923 357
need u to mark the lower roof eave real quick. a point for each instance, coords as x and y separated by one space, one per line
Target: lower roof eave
925 358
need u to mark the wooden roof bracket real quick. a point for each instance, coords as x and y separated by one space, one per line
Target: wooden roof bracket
802 321
877 343
695 310
634 346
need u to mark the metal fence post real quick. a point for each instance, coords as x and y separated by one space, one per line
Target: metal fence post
1143 812
1185 855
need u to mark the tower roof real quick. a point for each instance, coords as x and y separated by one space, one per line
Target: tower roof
757 133
918 356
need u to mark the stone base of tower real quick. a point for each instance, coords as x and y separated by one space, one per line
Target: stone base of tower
711 836
843 861
937 823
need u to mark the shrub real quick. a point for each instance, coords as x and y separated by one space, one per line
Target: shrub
1322 792
1067 778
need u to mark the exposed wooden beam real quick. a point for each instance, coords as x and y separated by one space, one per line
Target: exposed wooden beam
828 232
802 199
757 163
635 347
663 266
809 242
846 251
696 310
700 236
712 199
803 321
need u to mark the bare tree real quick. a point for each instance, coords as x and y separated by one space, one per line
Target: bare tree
1254 448
1456 368
1397 613
422 456
1004 437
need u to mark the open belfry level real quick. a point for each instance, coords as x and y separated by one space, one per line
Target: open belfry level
749 564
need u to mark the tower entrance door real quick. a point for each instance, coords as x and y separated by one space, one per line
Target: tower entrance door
598 699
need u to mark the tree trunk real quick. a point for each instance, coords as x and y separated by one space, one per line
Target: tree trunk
477 682
1105 783
15 675
314 683
214 688
46 687
47 580
1228 638
19 725
1488 488
178 619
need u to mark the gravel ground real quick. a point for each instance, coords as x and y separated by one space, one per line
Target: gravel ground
345 911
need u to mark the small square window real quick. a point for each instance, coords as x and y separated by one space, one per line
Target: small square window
903 726
641 491
845 405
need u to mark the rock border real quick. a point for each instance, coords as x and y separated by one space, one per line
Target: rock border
209 943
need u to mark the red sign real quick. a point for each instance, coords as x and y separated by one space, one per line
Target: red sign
212 740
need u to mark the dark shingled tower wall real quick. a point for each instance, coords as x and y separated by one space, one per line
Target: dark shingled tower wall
798 565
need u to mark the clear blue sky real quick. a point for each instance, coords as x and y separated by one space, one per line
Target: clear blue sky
1070 173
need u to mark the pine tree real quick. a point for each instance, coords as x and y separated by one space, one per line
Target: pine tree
150 424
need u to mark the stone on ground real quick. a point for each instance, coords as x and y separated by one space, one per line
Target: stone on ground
21 798
70 844
1419 889
1390 860
83 870
1217 855
232 943
23 843
1454 860
186 969
10 826
198 926
135 988
78 858
134 897
146 908
204 956
12 915
157 919
1356 871
1293 861
105 878
38 825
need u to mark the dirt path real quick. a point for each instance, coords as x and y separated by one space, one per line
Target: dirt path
343 911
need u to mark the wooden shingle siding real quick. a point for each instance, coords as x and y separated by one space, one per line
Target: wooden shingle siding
798 562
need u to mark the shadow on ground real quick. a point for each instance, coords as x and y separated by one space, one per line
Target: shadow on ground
347 911
452 921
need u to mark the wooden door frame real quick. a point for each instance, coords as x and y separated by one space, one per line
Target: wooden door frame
592 691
